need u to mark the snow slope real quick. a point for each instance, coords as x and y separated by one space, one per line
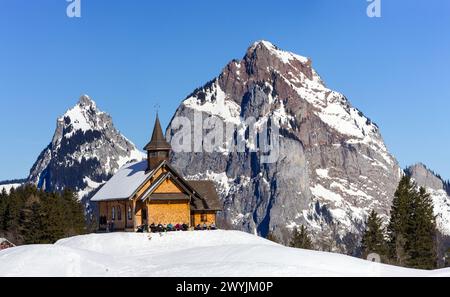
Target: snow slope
8 187
200 253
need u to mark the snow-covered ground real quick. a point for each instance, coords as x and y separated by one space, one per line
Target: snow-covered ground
8 187
199 253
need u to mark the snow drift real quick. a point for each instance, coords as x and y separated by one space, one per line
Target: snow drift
202 253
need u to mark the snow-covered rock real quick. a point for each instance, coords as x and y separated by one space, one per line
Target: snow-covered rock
333 166
436 187
85 151
182 254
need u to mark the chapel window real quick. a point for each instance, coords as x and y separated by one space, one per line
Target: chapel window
129 213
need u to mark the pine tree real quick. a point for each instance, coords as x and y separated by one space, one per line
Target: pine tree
28 215
373 240
400 223
422 239
412 227
272 237
33 227
75 221
300 239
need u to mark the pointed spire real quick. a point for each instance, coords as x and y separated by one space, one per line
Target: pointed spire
158 141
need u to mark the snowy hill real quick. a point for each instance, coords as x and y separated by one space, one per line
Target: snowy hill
202 253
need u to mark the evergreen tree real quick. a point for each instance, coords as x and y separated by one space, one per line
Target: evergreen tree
74 216
373 240
412 227
32 224
400 223
422 237
300 239
53 216
272 237
28 215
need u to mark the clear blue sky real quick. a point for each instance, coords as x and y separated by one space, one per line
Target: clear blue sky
129 55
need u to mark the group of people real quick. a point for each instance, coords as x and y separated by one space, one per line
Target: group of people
205 227
153 228
168 228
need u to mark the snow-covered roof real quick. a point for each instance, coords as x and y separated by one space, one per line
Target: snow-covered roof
4 240
124 183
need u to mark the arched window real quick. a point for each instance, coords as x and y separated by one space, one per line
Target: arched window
129 213
113 213
119 213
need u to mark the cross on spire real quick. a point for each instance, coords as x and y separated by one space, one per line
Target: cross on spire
157 107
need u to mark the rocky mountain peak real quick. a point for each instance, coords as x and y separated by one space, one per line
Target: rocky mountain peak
438 190
86 102
85 151
81 118
264 59
333 165
424 177
263 48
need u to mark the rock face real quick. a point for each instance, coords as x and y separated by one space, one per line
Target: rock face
85 151
438 189
333 166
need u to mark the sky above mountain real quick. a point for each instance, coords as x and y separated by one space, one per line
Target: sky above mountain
130 56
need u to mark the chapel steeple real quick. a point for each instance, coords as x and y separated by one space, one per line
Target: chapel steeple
158 149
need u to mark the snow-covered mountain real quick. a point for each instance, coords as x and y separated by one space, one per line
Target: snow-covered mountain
85 151
438 189
182 254
333 167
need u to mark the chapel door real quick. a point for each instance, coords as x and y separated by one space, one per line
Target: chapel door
144 216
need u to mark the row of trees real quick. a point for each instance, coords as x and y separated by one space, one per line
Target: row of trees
299 239
32 216
408 240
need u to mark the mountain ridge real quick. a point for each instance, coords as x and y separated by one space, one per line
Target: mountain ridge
333 168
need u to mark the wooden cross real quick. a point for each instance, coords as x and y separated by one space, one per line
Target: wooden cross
156 107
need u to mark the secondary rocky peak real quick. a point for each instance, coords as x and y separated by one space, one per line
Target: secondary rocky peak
424 177
85 150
